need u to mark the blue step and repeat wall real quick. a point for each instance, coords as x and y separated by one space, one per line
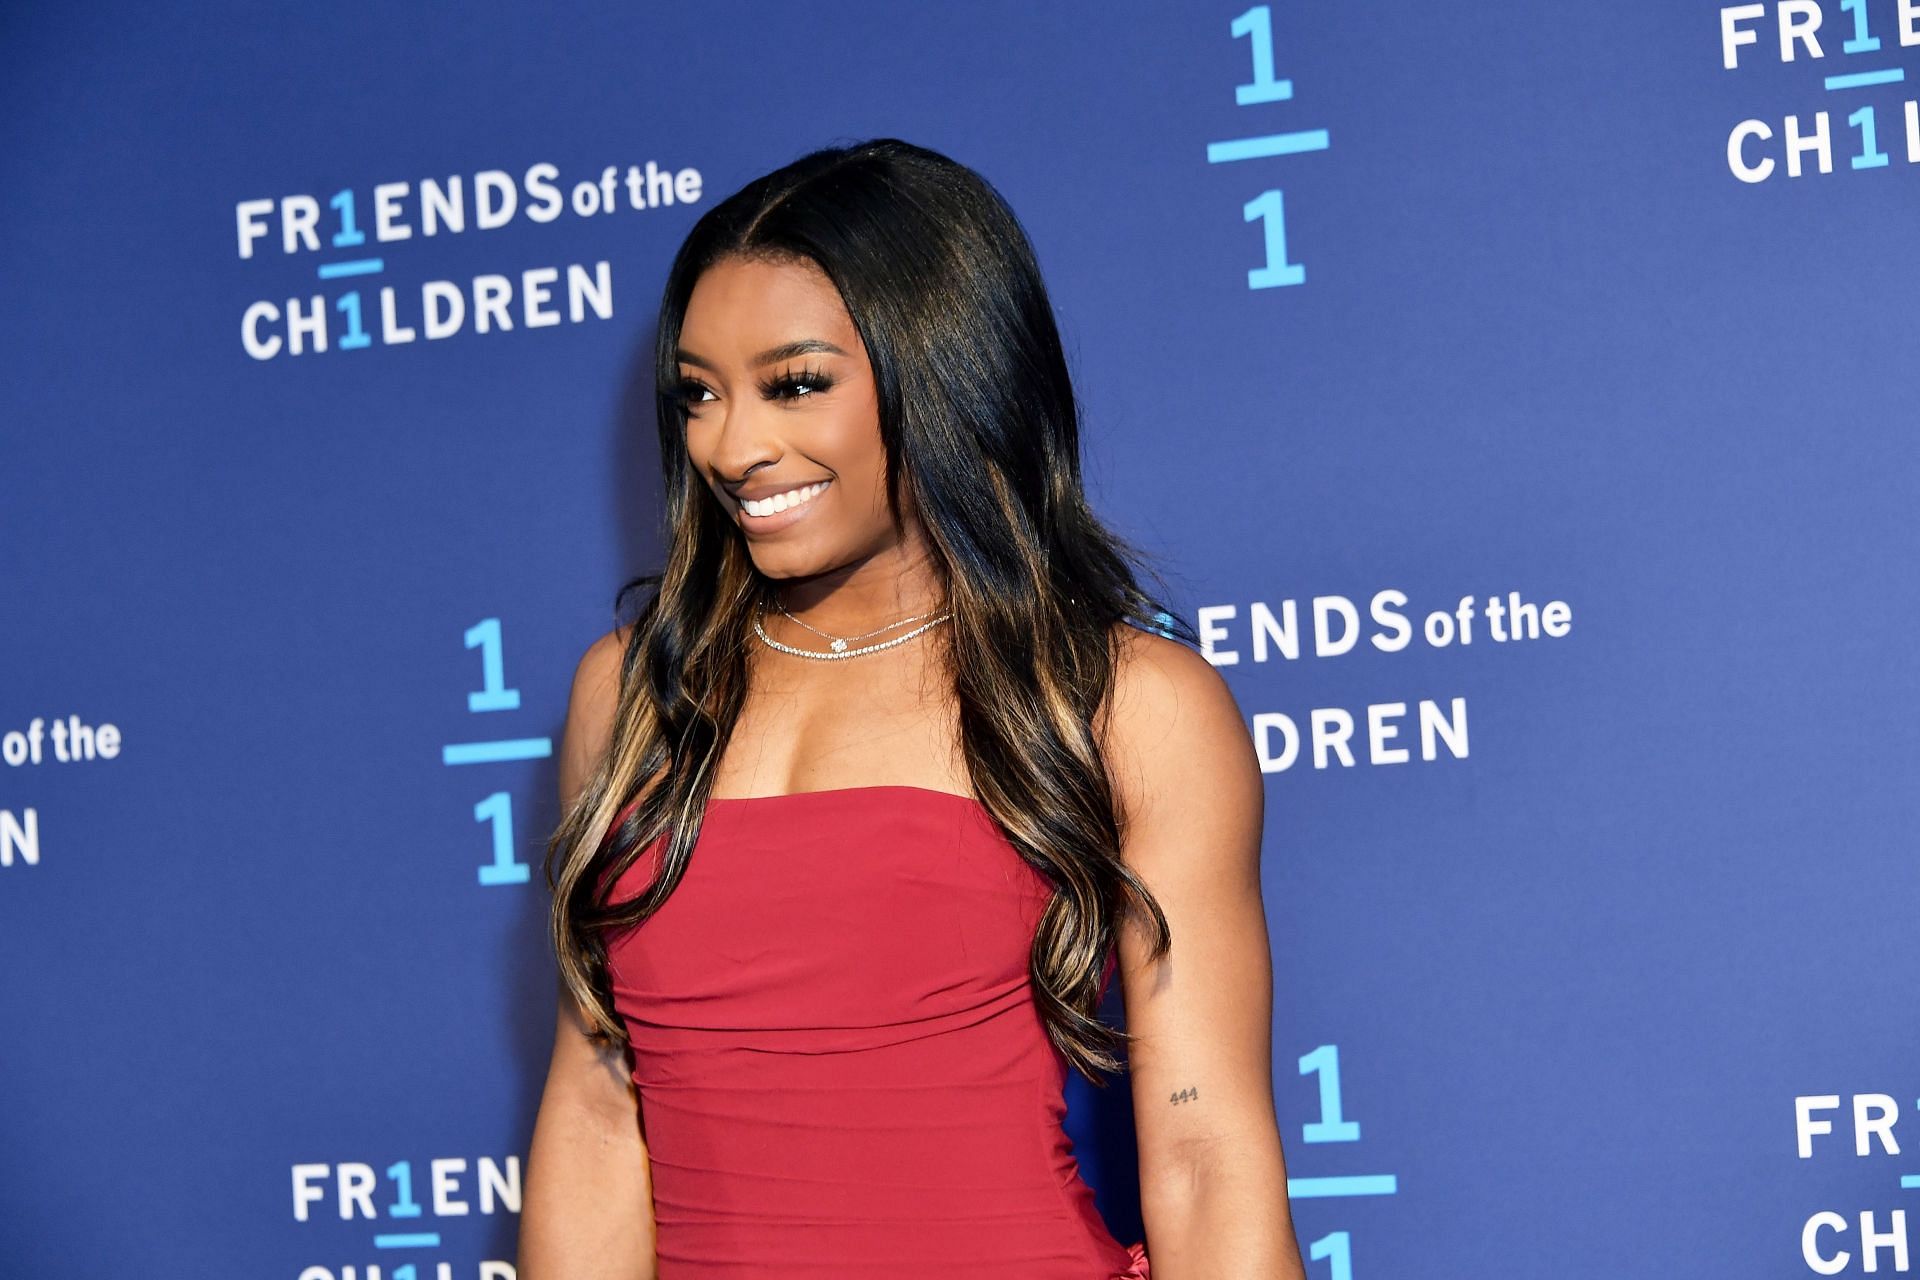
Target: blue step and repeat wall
1519 396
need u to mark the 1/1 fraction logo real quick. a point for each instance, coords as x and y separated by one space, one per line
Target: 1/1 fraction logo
495 811
1336 1247
1269 208
1796 30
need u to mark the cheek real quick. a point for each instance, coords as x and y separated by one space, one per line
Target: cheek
860 453
863 482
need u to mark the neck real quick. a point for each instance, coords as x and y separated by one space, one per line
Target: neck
858 597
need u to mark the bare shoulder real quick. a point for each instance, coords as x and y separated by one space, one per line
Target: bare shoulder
591 705
1177 746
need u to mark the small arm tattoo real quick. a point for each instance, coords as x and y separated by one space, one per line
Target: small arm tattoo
1185 1095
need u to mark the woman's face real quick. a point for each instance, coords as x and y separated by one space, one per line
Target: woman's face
780 400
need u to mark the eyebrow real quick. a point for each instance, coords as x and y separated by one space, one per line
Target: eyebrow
772 355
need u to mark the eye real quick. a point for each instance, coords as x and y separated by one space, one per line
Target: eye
803 385
684 394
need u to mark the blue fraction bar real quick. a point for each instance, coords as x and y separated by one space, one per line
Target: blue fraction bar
1363 1184
358 267
412 1240
1859 79
1272 144
494 752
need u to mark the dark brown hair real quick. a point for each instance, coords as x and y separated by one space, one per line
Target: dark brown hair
980 424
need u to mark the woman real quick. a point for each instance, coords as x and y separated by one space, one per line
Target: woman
893 770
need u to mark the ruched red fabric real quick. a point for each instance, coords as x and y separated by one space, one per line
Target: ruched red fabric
841 1069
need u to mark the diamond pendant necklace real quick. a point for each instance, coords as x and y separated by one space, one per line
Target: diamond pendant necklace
835 642
839 645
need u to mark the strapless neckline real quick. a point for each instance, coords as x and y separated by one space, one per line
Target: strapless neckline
800 796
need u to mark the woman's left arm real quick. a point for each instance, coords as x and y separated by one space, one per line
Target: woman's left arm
1213 1181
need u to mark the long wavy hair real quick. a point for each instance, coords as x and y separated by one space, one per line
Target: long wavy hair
980 425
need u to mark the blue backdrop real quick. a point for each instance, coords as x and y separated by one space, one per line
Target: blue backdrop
1520 395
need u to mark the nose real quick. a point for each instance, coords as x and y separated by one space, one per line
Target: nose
741 437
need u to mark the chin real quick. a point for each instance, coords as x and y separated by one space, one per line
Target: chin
786 562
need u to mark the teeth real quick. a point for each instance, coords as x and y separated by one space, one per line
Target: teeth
781 501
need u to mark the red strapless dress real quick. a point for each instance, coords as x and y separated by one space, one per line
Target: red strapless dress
838 1057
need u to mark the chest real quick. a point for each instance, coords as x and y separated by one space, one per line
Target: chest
813 726
851 907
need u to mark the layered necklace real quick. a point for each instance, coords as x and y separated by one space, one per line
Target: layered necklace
843 646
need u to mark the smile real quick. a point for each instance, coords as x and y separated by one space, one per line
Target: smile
779 502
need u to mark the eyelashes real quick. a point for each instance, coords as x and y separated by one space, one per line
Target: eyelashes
786 386
818 380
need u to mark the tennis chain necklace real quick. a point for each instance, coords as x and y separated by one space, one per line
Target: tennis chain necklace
839 645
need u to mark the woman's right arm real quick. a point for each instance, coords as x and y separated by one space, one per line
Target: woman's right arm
588 1208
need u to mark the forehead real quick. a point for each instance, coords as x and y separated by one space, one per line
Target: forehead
739 306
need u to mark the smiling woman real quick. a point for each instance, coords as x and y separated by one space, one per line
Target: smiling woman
816 390
896 767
